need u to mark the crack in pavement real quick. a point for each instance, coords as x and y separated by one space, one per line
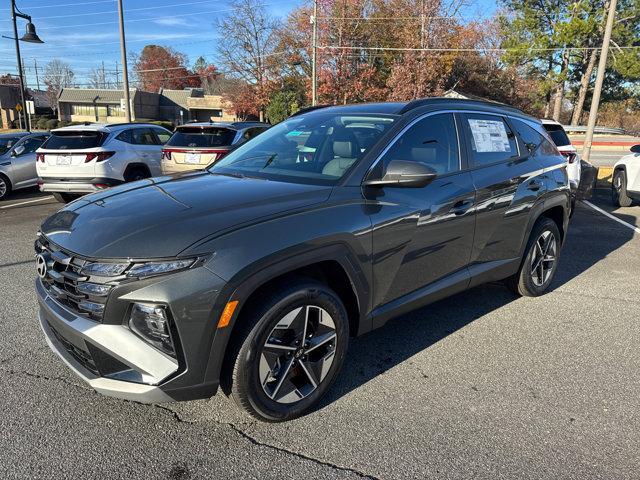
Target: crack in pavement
45 377
299 455
176 416
21 355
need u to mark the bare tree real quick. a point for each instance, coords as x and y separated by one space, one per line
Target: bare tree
57 75
101 78
248 37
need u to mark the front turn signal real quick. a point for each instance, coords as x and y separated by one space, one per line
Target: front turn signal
227 313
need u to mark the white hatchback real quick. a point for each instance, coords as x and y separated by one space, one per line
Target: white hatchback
625 186
87 158
561 139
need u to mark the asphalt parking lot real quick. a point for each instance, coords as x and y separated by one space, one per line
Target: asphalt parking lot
482 385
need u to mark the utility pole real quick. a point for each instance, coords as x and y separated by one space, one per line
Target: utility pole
597 88
314 54
35 66
125 77
117 76
103 77
20 71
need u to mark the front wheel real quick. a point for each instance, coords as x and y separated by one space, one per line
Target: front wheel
5 187
619 195
294 347
540 261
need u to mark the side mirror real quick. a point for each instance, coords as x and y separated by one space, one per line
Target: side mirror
402 173
19 150
635 149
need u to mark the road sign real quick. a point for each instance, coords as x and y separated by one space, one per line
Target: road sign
31 107
19 107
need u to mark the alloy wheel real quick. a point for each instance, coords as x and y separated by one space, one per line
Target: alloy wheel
544 257
297 354
3 187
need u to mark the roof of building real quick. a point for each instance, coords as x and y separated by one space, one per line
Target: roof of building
169 98
90 95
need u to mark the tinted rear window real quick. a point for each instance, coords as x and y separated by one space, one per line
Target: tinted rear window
75 140
558 135
202 137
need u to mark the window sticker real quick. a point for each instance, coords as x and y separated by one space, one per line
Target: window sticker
489 136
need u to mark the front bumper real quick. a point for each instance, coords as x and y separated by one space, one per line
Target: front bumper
70 335
76 185
116 362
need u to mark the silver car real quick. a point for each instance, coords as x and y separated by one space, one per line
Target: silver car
18 160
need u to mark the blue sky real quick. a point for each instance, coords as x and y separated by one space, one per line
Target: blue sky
84 33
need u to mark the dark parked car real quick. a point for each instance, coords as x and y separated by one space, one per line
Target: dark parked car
253 274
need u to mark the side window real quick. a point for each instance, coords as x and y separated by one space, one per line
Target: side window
432 141
535 141
489 138
125 136
162 135
32 144
143 136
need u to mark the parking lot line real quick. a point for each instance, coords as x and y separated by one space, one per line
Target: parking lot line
612 217
24 203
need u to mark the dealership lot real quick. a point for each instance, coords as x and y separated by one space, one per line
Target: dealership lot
482 384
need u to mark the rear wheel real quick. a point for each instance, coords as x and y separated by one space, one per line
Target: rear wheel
294 346
540 262
5 187
65 197
619 190
135 173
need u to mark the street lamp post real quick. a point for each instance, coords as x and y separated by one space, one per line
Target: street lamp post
29 36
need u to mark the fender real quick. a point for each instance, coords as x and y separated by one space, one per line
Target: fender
246 281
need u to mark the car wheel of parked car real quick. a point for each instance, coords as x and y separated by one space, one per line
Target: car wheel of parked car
65 197
295 343
540 260
135 173
5 187
619 190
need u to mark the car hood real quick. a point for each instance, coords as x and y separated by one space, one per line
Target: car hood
162 216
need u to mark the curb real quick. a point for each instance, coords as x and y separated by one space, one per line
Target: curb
604 177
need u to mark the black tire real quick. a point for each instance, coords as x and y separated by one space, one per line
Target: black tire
134 174
285 399
619 195
65 197
5 187
523 283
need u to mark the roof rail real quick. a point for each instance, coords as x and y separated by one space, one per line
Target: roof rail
462 101
308 109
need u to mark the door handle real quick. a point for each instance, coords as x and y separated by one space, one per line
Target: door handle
461 207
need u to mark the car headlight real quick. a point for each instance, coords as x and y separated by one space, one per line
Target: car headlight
150 322
104 269
156 268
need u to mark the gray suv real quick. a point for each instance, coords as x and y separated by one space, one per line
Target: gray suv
252 275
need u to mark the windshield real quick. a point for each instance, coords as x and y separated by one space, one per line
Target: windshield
7 142
201 137
313 148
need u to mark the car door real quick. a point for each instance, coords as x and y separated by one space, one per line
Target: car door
633 172
422 237
508 182
147 148
23 164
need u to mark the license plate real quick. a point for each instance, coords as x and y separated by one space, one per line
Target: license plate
192 158
63 160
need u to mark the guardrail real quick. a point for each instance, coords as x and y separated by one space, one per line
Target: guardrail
606 130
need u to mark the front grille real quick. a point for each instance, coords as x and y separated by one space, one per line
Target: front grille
65 283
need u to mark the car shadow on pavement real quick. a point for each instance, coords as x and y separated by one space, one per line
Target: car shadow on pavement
24 194
591 238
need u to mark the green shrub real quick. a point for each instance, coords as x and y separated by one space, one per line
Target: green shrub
42 123
52 123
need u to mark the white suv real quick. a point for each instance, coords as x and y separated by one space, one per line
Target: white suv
86 158
625 186
568 151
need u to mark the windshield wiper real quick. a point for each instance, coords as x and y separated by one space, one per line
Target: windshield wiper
230 174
